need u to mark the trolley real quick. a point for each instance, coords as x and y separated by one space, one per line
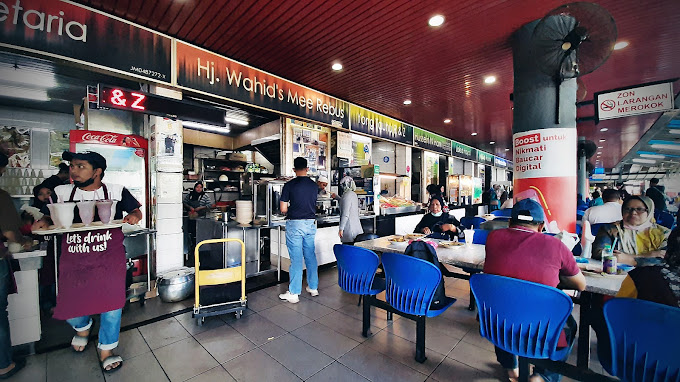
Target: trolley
219 277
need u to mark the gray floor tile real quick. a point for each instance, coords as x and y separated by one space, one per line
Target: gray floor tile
480 359
143 368
345 325
310 308
286 317
378 316
435 339
224 343
334 297
257 329
403 351
189 323
131 344
258 366
272 292
217 374
376 367
163 333
231 317
325 339
184 359
297 355
328 277
34 371
336 372
474 338
67 365
258 302
452 370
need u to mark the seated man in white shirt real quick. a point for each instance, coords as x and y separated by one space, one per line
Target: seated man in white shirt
609 212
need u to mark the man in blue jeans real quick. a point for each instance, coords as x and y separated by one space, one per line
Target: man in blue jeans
298 202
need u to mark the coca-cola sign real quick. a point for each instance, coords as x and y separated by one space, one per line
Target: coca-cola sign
107 138
111 139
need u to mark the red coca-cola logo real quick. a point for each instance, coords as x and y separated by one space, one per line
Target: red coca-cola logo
103 138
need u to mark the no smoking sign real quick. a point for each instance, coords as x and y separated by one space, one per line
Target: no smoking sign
608 105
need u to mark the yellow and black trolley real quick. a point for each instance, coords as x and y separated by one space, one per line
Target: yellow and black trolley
218 277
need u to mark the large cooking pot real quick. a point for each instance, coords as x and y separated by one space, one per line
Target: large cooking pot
176 285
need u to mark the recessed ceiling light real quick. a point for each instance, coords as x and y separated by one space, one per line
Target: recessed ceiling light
507 149
492 142
604 129
599 147
653 156
473 134
599 153
620 45
436 20
337 66
447 120
407 102
602 140
649 161
489 79
666 146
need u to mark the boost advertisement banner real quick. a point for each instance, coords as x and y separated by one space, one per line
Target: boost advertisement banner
201 70
72 32
545 170
431 141
378 125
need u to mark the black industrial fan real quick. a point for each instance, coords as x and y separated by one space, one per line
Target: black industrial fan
587 149
572 41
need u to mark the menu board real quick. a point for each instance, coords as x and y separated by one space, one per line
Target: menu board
311 142
344 145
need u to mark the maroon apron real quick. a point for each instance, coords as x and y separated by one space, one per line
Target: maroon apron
91 272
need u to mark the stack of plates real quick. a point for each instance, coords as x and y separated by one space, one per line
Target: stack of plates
244 211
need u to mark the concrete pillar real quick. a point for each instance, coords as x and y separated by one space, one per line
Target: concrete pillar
544 146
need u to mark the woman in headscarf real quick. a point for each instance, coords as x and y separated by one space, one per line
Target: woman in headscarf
197 202
439 224
350 224
637 239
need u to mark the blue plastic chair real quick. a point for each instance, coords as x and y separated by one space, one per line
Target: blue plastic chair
472 222
594 228
528 327
503 213
664 218
480 236
356 270
410 287
579 214
645 340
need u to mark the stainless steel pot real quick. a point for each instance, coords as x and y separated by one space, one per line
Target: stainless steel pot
176 285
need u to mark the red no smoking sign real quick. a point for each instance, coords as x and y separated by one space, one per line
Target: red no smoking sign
608 105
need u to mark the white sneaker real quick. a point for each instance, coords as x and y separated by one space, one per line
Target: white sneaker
313 292
292 298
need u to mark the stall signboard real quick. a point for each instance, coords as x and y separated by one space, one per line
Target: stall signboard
431 141
379 126
462 151
207 72
651 98
76 33
500 162
484 158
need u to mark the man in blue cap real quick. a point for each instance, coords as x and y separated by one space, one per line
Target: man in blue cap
523 252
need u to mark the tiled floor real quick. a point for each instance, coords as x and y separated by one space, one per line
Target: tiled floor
318 339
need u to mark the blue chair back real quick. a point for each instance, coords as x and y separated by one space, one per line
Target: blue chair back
664 218
527 326
410 283
472 222
480 236
579 214
356 268
594 228
645 340
507 212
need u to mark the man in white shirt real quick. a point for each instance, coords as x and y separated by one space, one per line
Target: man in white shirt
609 212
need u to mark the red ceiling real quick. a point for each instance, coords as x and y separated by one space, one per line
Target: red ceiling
390 54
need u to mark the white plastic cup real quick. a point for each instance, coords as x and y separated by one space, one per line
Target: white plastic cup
469 236
62 214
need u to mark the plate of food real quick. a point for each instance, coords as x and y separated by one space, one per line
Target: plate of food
397 239
413 236
450 244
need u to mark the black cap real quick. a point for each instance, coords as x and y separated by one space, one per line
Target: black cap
95 159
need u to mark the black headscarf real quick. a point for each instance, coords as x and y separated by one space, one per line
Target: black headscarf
193 195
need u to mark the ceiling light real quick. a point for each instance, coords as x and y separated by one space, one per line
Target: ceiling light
407 102
602 140
23 93
436 20
492 142
236 121
653 156
467 93
489 79
337 66
604 129
507 149
666 146
600 147
599 153
447 120
206 127
648 161
620 45
674 131
473 134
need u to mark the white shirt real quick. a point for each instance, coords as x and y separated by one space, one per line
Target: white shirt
607 213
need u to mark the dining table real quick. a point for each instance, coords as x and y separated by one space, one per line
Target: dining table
598 285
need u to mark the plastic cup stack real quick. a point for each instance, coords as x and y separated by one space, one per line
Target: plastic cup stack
244 211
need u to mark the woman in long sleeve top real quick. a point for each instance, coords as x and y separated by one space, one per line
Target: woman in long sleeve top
350 224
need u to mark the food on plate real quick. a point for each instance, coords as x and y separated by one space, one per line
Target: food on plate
397 239
450 244
415 235
394 201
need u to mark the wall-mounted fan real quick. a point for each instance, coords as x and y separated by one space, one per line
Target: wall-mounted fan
572 41
587 149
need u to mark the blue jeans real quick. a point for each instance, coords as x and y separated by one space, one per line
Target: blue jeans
109 327
300 243
509 361
5 340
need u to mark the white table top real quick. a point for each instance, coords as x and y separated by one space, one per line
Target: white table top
472 256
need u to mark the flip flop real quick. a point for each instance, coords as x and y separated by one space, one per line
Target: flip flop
108 361
18 365
79 341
